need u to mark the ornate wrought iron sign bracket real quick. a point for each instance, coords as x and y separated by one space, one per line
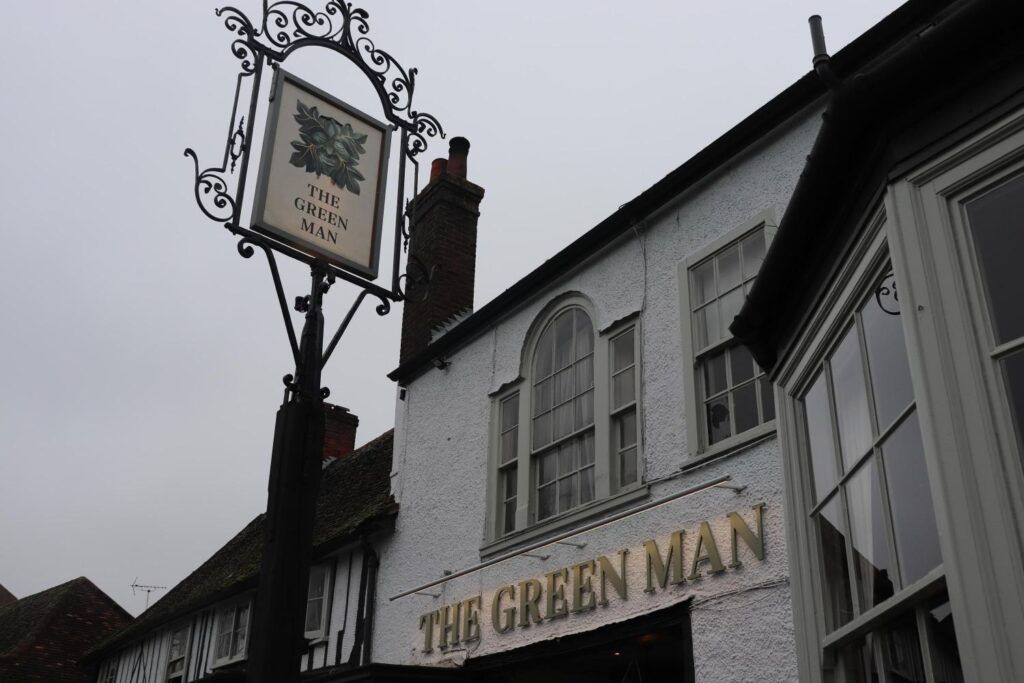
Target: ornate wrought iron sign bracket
287 26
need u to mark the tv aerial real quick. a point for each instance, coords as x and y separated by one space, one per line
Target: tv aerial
136 586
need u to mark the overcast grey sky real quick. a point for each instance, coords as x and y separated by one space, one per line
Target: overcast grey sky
142 357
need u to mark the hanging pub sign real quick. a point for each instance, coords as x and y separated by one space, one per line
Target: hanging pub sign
322 177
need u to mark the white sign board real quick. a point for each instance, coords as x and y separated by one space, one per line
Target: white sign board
322 177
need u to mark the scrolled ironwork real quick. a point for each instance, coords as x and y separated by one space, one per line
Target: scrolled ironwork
886 295
210 188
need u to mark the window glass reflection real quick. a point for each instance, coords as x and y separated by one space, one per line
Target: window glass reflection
887 357
995 225
872 559
913 516
836 581
851 400
819 436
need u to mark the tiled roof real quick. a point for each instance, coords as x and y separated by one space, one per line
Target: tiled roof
354 491
6 597
43 636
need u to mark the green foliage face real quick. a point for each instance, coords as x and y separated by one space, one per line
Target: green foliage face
329 148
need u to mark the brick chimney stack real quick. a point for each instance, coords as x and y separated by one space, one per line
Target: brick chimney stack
339 432
443 241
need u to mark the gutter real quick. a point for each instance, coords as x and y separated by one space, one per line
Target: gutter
856 128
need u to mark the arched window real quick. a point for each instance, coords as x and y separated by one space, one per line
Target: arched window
565 436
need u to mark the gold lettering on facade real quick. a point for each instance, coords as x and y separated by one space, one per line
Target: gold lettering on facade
556 605
471 619
530 593
606 572
706 551
740 528
427 622
449 625
659 570
582 586
509 613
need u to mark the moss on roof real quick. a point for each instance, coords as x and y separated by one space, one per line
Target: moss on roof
354 490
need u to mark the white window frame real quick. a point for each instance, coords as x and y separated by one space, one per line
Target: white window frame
608 494
235 606
320 633
697 441
956 363
185 626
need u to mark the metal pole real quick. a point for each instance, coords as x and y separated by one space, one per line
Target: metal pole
277 642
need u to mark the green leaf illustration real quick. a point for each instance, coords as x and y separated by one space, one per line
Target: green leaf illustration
327 147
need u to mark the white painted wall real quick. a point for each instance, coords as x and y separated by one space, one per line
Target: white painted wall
742 620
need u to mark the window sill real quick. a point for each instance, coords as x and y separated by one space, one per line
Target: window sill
225 663
732 444
549 527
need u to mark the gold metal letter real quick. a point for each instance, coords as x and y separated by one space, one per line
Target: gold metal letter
556 604
509 612
740 528
449 625
656 569
471 619
427 622
705 542
607 573
582 586
530 593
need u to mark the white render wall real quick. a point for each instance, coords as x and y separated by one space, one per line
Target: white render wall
742 620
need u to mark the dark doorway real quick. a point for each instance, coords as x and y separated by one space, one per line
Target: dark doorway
653 648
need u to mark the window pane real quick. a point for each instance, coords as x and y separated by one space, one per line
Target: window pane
718 419
627 472
887 359
767 399
316 581
240 634
510 516
945 651
587 485
871 550
622 351
859 661
546 501
714 374
851 399
819 437
753 253
542 431
836 579
548 467
510 412
744 405
913 516
566 493
707 325
584 374
626 429
510 486
623 388
703 282
731 304
995 225
509 444
543 394
542 360
587 449
567 458
1013 377
314 611
563 339
741 363
585 410
584 334
563 420
728 268
901 651
563 386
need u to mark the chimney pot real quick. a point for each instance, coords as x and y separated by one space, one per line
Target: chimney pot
438 167
458 150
